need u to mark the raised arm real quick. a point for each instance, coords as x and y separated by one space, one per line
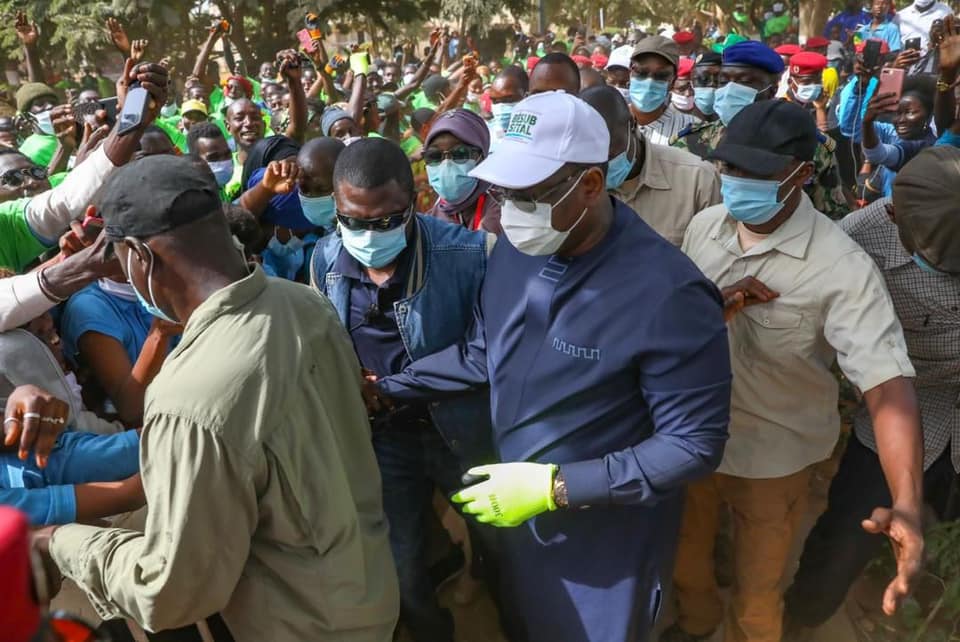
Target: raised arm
324 79
29 35
944 106
200 66
422 71
292 72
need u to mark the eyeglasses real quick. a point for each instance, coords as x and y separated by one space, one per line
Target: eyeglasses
460 154
528 203
642 74
384 224
16 177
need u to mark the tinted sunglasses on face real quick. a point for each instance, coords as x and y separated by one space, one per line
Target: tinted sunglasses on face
16 177
382 224
459 154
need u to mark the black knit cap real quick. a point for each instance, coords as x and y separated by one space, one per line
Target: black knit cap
156 194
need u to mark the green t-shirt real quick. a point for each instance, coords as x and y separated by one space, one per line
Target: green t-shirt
410 145
39 148
419 100
775 25
56 179
171 127
18 244
234 188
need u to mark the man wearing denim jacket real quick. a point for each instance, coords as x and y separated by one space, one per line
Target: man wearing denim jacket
404 285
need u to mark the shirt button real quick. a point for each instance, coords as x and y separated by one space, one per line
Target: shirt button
766 321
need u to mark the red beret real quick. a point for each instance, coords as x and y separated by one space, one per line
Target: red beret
683 37
582 61
532 62
816 42
884 47
788 50
19 614
685 67
246 84
807 63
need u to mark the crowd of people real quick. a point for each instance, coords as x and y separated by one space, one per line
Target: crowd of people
601 296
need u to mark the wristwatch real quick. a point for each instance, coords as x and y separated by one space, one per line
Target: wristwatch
560 491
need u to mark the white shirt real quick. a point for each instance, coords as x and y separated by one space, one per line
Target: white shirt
671 122
914 22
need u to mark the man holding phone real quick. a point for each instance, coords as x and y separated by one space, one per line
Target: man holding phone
916 21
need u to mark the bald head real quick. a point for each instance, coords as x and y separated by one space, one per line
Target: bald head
555 71
317 159
611 106
590 77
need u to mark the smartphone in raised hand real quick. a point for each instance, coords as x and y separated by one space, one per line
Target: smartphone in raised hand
891 82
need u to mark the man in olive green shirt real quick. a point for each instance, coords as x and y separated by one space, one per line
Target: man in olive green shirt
263 494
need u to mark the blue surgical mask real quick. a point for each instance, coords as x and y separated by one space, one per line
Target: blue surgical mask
753 201
151 307
731 99
319 210
620 165
374 249
648 94
501 114
926 267
45 122
283 259
703 99
222 170
807 93
450 181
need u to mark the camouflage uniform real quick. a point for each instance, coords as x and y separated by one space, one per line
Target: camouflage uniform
825 189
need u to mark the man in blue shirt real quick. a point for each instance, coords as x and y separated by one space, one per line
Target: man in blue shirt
404 286
607 360
882 26
849 20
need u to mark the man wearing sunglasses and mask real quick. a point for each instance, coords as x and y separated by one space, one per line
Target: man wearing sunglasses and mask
404 286
800 296
606 356
750 73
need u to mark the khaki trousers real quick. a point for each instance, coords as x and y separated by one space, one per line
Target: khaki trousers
766 515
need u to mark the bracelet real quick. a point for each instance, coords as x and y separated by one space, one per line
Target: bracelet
45 288
942 86
560 491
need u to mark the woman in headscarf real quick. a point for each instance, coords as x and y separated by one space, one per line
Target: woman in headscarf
457 142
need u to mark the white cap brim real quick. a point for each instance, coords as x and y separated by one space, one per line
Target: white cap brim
512 166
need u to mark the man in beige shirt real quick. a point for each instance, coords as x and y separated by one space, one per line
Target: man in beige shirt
263 494
800 294
665 186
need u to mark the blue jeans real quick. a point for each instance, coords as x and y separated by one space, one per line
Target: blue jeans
412 463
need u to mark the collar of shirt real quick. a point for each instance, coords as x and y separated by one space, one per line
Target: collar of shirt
792 238
223 301
651 173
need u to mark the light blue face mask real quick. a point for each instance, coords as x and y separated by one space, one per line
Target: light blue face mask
450 181
374 249
151 307
753 201
501 114
222 170
732 98
703 98
926 267
319 210
620 165
648 94
283 259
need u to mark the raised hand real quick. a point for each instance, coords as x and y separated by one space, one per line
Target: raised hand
950 45
27 31
138 49
64 125
118 36
289 63
281 177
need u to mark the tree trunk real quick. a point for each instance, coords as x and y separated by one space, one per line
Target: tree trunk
813 16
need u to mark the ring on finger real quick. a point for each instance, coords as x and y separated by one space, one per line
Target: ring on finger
10 420
53 420
31 415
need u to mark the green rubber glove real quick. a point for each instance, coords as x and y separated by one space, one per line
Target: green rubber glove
511 494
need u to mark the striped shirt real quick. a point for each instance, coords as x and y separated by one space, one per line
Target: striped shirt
928 306
671 122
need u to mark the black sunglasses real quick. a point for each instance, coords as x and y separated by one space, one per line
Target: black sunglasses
460 154
16 177
384 224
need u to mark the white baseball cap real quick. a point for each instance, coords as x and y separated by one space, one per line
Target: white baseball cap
620 57
546 132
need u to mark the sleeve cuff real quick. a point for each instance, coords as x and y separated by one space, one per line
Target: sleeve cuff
587 483
63 504
69 549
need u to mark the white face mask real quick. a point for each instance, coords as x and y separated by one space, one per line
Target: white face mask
44 122
806 93
532 232
681 101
